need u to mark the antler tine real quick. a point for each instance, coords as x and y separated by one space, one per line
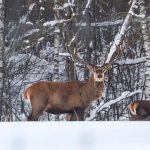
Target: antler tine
74 52
117 54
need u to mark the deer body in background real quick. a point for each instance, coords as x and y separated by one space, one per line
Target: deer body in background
67 97
140 110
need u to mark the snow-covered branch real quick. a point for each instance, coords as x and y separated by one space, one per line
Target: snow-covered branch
110 23
132 61
87 6
118 37
64 54
101 24
56 22
66 5
124 95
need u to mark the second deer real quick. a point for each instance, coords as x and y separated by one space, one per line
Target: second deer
140 110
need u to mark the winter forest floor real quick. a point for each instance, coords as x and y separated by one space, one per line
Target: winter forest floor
75 136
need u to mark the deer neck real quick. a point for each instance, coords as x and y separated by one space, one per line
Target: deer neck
92 91
97 86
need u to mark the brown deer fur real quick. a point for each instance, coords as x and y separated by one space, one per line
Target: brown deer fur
140 110
58 98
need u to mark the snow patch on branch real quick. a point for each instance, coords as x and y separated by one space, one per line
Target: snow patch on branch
55 22
31 7
31 32
50 23
87 6
66 5
124 95
138 16
40 39
64 54
101 24
132 61
29 23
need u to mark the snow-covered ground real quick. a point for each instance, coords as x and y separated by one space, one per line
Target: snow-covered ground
75 136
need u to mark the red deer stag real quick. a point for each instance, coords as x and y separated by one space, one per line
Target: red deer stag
68 97
140 110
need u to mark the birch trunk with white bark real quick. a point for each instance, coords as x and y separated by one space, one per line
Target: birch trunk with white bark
146 39
1 52
56 48
56 45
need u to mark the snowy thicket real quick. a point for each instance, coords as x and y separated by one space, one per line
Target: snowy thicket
37 37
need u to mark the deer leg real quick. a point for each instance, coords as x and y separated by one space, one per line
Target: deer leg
37 108
30 117
71 117
79 113
34 115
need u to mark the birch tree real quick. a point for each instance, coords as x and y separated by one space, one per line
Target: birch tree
1 52
56 44
146 39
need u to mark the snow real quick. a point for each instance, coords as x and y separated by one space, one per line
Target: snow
68 5
40 39
64 54
42 8
101 24
50 23
31 6
91 44
54 22
65 5
132 61
29 23
75 136
87 6
41 67
26 41
31 32
23 19
124 95
56 31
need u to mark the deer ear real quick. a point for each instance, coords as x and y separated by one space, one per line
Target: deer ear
91 68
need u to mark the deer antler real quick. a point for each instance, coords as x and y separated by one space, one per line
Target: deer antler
74 52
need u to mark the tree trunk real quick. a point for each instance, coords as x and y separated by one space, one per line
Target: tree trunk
56 45
1 53
146 45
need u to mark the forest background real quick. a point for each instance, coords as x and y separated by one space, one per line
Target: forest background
34 39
